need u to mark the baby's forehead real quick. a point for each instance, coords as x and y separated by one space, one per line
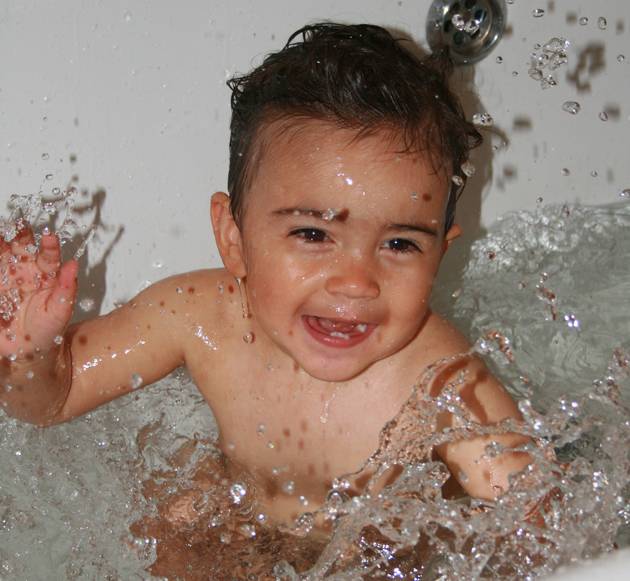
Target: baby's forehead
302 139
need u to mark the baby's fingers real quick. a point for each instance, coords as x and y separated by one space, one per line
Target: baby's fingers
23 244
61 299
49 256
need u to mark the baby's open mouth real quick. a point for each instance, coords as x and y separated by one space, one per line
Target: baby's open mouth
337 332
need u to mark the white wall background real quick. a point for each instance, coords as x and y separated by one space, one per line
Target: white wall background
136 91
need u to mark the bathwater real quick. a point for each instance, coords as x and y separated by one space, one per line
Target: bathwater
544 300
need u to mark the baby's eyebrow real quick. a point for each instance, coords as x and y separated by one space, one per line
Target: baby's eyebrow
416 227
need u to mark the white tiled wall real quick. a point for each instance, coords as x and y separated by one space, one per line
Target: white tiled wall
136 91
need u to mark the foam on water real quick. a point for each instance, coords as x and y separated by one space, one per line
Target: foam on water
545 297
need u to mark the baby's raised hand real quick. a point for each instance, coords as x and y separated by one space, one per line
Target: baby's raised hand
36 293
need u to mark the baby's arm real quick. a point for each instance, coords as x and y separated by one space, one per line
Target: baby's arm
50 374
487 402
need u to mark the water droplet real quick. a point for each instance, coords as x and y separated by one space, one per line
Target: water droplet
583 21
157 264
45 156
594 173
86 304
572 107
499 59
303 500
603 116
58 340
458 180
12 356
29 374
538 12
261 429
179 290
565 171
136 381
468 169
288 487
458 21
56 191
238 491
249 337
515 73
625 194
49 176
602 23
127 16
414 195
270 445
539 200
483 119
620 58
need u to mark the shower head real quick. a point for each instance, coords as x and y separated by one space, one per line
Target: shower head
468 28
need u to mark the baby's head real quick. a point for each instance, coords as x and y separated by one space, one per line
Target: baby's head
341 201
356 77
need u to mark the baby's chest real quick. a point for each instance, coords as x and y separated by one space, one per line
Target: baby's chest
288 434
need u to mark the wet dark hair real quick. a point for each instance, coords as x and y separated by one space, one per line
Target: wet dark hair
358 77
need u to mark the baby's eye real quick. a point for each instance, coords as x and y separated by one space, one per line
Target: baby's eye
310 234
402 245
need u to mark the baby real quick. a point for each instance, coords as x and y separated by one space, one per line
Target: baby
345 166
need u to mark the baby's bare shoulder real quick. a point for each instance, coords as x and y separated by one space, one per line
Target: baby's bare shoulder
208 297
440 338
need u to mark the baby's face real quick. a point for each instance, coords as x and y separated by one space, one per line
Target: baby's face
341 242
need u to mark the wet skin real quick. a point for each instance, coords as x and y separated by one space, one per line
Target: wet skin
339 244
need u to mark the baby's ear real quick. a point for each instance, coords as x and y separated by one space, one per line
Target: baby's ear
227 235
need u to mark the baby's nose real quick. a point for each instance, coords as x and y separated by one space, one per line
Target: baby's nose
355 278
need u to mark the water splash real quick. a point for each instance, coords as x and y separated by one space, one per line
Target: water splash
546 59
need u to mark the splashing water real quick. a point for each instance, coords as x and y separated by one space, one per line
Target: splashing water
60 491
546 59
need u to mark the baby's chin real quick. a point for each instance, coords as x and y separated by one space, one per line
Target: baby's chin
332 373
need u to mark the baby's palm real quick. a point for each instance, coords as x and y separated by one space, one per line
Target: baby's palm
36 293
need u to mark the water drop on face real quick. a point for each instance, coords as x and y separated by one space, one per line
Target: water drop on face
572 107
538 12
583 21
260 430
58 340
29 375
603 116
288 487
602 23
249 337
